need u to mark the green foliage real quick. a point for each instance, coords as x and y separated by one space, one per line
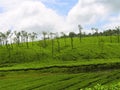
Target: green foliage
103 87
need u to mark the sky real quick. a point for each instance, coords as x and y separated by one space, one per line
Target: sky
58 15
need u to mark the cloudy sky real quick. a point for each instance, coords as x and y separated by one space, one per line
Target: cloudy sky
58 15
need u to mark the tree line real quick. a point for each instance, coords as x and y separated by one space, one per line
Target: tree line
25 37
21 38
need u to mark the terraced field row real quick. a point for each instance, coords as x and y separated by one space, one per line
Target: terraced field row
35 80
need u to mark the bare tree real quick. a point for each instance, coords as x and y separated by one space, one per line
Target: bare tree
51 35
92 31
1 38
44 38
10 37
96 31
64 36
58 42
5 37
17 34
32 36
71 35
22 36
110 35
26 38
118 32
80 32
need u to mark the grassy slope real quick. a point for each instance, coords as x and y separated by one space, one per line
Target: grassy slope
90 51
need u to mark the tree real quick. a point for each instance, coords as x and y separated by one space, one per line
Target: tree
10 37
110 31
1 38
32 36
44 38
4 37
101 45
71 35
22 36
84 34
58 42
17 34
26 39
96 31
51 35
80 32
118 32
64 36
92 31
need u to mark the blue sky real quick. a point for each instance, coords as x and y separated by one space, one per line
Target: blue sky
1 10
59 15
61 6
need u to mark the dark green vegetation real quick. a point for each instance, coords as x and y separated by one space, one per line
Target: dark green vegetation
37 80
60 63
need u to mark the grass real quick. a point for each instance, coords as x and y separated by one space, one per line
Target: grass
88 52
35 80
103 87
94 60
60 64
79 49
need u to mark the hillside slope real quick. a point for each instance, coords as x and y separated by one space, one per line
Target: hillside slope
92 50
48 67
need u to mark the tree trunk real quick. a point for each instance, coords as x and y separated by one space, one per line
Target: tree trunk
65 41
118 36
27 42
58 44
72 42
80 36
52 48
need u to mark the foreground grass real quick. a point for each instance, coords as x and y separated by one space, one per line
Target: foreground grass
35 80
103 87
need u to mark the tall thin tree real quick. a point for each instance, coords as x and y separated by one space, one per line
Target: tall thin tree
1 39
44 38
32 36
80 32
52 39
71 35
58 42
64 36
118 32
17 34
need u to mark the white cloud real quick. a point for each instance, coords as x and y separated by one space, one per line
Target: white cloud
93 12
113 22
86 12
33 15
